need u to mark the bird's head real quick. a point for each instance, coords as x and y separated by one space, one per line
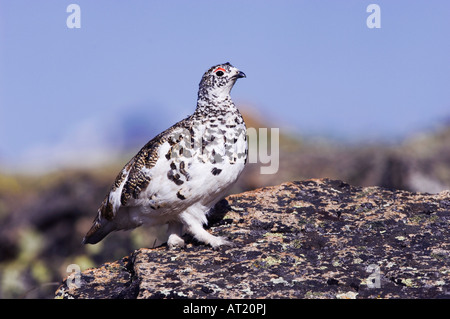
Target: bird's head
218 81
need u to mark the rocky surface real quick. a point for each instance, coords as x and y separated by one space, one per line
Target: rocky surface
312 239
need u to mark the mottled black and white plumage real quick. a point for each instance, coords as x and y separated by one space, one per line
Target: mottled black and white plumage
179 175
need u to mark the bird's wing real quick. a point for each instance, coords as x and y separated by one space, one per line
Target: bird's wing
130 183
134 178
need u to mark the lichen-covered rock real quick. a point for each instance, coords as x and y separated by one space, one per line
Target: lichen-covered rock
310 239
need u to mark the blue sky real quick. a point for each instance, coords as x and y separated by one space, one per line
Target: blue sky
313 67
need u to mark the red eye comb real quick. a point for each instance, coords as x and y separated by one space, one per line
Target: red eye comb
219 69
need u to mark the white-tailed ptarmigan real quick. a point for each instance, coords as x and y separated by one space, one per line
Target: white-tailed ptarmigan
179 175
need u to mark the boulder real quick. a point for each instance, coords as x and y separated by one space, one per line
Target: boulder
317 238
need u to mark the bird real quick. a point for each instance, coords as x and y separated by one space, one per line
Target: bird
180 174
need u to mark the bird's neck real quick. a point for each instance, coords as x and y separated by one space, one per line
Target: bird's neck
213 104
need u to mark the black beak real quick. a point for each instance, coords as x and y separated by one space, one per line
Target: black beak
241 75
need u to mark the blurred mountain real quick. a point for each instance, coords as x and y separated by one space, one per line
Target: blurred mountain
420 163
98 139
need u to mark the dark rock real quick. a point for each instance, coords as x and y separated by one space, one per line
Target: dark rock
313 239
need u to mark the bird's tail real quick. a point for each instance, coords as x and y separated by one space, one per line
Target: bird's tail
100 228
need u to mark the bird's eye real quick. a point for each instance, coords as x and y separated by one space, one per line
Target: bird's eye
219 71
